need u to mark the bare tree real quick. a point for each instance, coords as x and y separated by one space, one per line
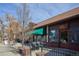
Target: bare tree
23 16
1 30
13 27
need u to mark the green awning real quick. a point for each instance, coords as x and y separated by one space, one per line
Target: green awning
38 31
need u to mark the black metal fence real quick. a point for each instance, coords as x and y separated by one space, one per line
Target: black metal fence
61 52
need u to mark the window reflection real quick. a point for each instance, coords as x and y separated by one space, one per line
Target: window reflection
53 35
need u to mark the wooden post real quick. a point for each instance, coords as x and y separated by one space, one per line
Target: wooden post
59 39
47 30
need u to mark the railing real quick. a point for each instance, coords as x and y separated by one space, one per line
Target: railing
62 52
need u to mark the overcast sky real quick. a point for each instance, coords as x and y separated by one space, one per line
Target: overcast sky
39 12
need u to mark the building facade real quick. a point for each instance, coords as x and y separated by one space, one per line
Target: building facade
61 31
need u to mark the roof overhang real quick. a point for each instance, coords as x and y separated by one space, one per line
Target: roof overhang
59 17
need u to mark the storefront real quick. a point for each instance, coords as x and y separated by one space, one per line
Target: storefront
62 31
65 34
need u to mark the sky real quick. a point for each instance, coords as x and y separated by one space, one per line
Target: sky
38 12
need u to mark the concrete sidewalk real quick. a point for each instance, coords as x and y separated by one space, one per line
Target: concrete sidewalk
6 50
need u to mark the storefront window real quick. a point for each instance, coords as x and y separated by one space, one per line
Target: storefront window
53 34
63 37
63 30
41 38
74 32
74 37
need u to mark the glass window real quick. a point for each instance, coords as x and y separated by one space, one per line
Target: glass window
74 34
63 37
52 35
75 37
41 38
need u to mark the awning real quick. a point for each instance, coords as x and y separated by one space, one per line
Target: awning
38 31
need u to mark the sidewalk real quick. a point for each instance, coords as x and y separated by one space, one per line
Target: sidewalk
6 50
